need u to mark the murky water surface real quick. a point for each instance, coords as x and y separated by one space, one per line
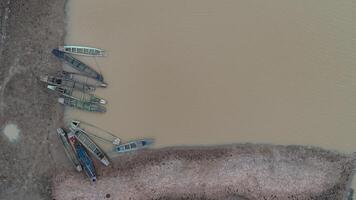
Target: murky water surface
207 72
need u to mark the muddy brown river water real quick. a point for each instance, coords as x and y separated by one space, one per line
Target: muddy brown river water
208 72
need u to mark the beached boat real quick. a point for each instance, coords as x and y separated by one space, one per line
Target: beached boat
81 96
82 50
68 83
88 143
82 78
69 149
72 139
133 145
77 65
85 161
82 105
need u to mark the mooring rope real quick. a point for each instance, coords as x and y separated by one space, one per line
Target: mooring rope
114 138
97 65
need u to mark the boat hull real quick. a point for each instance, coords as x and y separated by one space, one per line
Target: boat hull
68 149
90 145
133 145
82 50
68 83
81 105
81 96
86 162
77 65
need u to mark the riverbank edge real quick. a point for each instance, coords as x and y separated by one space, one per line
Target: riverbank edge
190 173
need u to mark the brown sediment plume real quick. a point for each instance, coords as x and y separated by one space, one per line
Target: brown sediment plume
246 171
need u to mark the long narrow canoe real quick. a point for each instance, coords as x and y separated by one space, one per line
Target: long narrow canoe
68 83
82 78
68 149
82 105
133 145
81 96
78 65
82 50
85 161
89 144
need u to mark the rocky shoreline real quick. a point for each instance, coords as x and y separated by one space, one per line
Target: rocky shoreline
35 167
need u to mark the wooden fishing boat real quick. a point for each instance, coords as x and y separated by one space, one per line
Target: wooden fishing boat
82 50
82 105
85 161
68 83
81 96
89 144
133 145
68 149
77 65
82 78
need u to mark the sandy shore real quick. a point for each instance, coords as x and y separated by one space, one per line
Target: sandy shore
30 151
228 172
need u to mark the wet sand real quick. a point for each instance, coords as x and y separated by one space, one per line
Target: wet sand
216 72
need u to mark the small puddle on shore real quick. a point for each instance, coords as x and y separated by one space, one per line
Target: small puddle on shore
214 72
12 132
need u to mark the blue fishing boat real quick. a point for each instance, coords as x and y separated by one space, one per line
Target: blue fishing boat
78 65
133 145
85 161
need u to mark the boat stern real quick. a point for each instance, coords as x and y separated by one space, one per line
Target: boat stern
103 85
79 168
147 142
105 161
44 78
93 179
74 124
58 53
100 78
61 100
60 131
103 101
51 87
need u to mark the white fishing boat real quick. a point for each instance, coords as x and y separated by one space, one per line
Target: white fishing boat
89 144
82 50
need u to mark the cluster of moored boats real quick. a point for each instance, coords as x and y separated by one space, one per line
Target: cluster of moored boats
76 90
77 143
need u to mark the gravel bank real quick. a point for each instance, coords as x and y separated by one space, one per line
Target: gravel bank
254 172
